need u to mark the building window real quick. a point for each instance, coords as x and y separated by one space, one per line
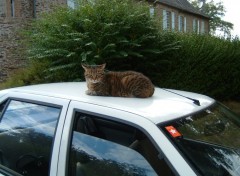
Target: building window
12 8
168 20
194 25
151 11
173 21
180 23
2 8
202 27
72 3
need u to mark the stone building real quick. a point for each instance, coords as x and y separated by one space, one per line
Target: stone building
176 15
14 15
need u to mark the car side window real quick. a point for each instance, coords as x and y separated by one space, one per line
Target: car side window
102 147
26 137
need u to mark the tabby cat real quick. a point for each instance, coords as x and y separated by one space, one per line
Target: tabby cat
117 84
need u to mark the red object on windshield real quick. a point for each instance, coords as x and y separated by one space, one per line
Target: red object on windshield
173 131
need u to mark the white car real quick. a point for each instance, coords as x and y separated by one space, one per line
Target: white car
58 130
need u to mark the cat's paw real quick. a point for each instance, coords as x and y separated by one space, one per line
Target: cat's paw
125 94
88 92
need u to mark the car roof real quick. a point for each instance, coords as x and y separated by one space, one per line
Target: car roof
164 105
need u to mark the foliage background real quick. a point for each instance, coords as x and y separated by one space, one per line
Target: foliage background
120 33
123 34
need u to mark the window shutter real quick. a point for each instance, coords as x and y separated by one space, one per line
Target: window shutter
173 21
164 19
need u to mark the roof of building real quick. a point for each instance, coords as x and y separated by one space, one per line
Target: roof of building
162 106
183 5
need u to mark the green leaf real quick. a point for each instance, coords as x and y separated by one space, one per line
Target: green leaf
71 54
109 46
153 51
92 45
123 53
135 54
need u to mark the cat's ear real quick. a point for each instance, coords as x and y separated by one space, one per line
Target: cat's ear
84 66
103 66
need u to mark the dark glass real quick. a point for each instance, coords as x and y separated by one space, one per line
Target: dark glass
209 140
26 137
91 156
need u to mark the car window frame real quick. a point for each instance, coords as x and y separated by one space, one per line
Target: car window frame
148 127
63 103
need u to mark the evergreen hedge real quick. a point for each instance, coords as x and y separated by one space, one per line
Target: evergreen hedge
205 64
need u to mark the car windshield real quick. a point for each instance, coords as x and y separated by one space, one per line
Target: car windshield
209 140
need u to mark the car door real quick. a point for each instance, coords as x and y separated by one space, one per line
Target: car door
97 140
31 128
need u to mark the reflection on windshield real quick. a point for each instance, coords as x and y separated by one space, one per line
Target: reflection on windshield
216 125
210 140
102 157
229 160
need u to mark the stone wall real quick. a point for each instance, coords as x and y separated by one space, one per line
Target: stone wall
10 48
11 58
47 5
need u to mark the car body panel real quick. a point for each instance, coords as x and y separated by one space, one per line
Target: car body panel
162 106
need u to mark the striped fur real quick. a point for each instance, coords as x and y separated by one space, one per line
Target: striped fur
117 84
